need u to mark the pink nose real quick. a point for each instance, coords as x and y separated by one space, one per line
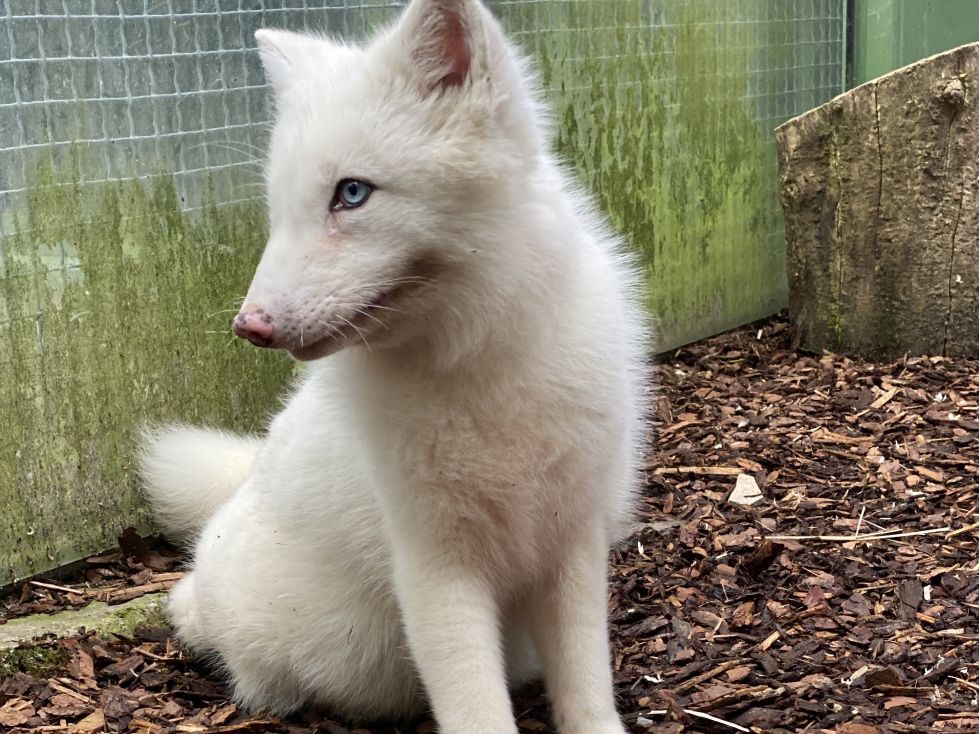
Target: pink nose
256 326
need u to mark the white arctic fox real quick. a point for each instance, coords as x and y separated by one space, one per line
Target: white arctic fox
429 517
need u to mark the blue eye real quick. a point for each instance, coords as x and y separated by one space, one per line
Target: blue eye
351 193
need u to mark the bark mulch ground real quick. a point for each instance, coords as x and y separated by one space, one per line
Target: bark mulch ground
843 599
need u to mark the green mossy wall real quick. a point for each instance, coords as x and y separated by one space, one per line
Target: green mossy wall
114 302
659 126
114 311
889 34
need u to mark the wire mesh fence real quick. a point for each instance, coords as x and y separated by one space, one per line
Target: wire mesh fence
131 135
151 86
154 86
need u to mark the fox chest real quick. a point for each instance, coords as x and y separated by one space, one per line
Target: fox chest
498 493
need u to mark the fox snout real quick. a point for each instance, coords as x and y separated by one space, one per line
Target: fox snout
304 339
255 324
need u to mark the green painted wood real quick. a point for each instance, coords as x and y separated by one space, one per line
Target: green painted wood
890 34
667 110
114 311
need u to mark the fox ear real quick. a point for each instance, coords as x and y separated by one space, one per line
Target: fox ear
283 51
441 39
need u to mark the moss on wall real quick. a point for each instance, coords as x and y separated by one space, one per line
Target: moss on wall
659 125
114 310
114 302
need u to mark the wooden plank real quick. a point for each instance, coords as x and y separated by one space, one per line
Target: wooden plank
663 125
129 324
879 191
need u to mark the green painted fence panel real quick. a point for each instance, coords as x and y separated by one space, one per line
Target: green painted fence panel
130 216
889 34
668 108
130 223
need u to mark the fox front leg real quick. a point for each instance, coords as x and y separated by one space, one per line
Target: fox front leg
569 621
452 623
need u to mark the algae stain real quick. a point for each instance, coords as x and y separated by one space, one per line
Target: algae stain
114 311
658 124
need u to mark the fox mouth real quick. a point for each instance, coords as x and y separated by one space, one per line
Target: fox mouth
318 349
360 324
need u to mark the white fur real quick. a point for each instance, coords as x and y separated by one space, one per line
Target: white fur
432 510
190 472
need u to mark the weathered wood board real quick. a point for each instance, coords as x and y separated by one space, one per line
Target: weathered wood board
114 301
114 312
880 189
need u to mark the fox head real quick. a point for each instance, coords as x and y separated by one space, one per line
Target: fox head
390 167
